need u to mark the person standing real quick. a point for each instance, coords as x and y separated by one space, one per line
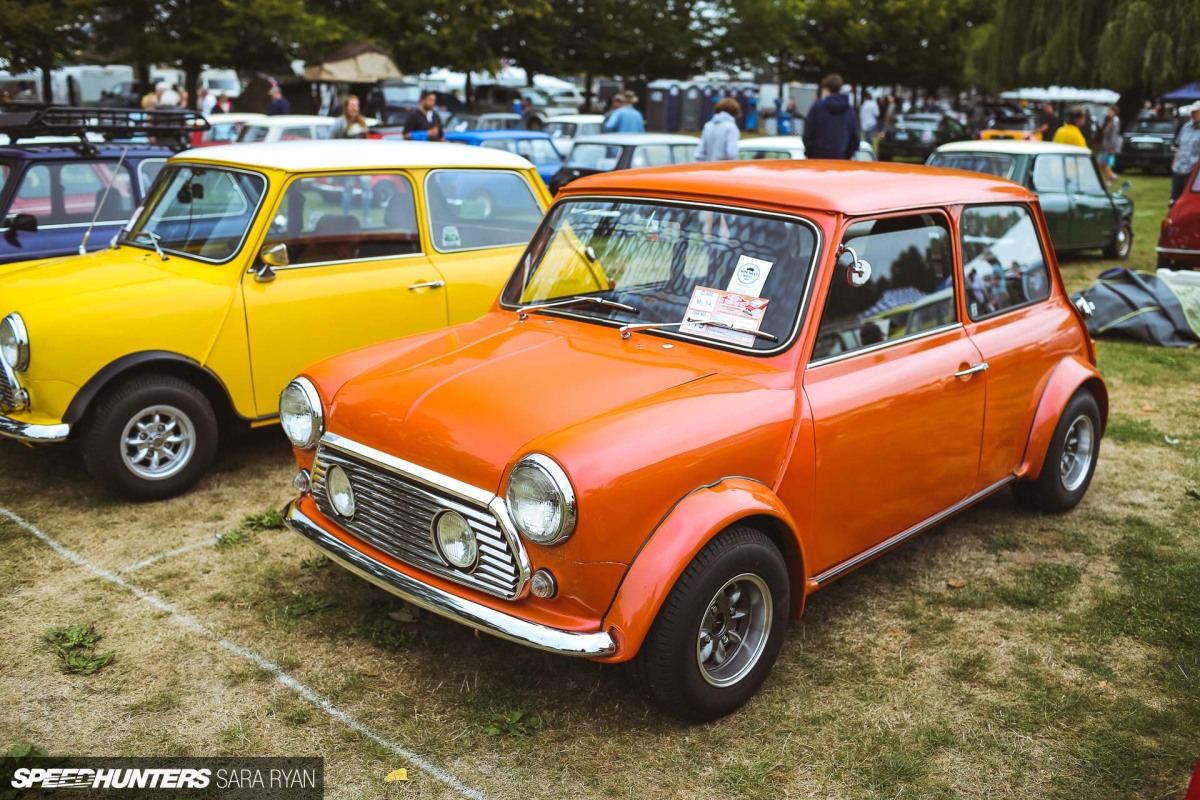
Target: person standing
1048 123
224 104
351 124
624 118
1187 153
170 97
1072 131
279 104
719 139
1110 144
424 118
868 115
207 102
831 128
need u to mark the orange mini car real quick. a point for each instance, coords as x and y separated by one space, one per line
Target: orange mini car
706 392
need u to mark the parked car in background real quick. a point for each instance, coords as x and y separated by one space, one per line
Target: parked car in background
768 147
145 353
53 188
918 135
392 101
1080 213
565 128
539 107
498 121
1179 238
535 146
610 152
1011 122
671 459
286 128
224 128
1147 144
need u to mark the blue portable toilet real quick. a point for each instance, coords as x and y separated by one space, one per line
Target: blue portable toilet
707 101
690 108
674 107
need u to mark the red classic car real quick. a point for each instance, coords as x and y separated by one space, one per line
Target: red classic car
1179 239
706 392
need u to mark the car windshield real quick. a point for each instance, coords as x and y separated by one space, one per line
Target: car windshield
918 123
1160 126
602 157
721 277
198 211
223 84
558 129
402 94
1011 122
988 163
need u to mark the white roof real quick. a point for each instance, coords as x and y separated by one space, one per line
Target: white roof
772 143
235 116
576 119
280 120
628 139
1012 147
354 154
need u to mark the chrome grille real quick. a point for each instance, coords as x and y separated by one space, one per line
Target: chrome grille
393 512
8 393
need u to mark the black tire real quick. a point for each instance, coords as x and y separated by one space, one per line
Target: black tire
159 408
1063 484
1122 243
667 670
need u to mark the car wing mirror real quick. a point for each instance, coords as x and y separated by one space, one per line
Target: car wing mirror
859 270
275 255
16 224
1125 187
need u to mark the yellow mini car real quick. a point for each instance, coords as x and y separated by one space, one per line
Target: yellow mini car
245 264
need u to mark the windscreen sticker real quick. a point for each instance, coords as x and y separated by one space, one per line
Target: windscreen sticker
749 276
450 237
724 315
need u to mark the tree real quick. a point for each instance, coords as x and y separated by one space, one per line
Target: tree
42 35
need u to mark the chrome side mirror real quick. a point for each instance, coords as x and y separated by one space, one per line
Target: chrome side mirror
859 270
1125 187
275 255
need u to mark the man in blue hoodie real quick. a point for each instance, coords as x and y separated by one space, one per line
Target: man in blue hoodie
831 127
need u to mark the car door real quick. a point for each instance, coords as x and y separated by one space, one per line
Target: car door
359 272
896 401
1094 219
1049 180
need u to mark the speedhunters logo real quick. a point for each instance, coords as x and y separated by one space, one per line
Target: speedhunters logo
257 778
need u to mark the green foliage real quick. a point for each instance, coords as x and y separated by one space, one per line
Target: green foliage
267 519
76 647
516 723
17 756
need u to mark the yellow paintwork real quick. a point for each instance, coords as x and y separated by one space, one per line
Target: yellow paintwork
86 312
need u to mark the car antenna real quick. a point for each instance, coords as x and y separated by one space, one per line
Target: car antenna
103 199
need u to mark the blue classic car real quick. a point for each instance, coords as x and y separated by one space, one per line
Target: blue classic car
59 173
535 146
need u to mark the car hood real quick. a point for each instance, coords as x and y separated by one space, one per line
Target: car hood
469 409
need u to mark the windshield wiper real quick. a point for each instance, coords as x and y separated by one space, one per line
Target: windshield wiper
153 237
523 312
627 330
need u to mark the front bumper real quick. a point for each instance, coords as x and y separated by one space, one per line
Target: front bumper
443 603
27 432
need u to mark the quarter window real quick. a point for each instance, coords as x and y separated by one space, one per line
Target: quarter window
655 155
1003 262
71 193
1048 175
683 153
910 289
474 209
148 170
377 218
1082 176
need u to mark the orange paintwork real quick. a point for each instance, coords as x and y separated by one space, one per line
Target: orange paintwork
668 446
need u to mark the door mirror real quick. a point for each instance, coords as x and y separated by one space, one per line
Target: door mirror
22 222
275 255
1125 187
858 272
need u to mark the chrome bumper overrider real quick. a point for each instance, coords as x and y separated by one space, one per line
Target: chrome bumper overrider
23 431
430 598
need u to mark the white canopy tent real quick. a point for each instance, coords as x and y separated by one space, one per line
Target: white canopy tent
1063 94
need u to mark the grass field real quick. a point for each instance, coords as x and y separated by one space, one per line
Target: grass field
1003 655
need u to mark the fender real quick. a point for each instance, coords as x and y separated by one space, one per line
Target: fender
1068 376
175 364
682 534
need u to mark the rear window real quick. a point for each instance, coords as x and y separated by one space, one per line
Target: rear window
989 164
1160 126
594 156
253 133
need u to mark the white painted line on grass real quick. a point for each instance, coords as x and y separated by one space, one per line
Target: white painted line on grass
287 680
187 548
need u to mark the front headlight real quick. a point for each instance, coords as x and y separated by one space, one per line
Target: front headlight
541 500
14 342
301 414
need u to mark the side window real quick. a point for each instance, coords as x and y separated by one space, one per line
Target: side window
1081 174
654 155
296 134
147 171
759 155
69 193
473 209
684 153
910 290
1048 174
1003 262
377 218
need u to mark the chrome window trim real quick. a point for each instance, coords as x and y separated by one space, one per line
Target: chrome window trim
883 345
801 311
62 225
249 225
537 201
464 491
146 184
306 265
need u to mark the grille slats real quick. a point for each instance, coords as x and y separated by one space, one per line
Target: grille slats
8 392
394 513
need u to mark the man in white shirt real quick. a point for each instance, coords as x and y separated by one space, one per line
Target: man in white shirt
169 97
868 117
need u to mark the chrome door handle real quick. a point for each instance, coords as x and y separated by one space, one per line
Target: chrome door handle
427 285
971 370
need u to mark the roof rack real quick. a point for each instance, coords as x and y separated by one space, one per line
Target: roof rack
175 125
